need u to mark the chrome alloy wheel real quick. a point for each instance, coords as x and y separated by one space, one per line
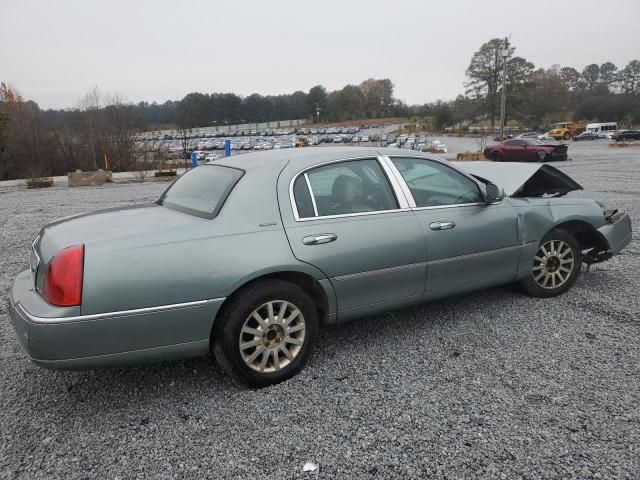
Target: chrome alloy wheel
553 264
272 336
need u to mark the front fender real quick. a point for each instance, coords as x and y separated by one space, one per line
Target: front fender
538 216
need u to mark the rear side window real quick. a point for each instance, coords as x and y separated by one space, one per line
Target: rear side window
201 191
343 188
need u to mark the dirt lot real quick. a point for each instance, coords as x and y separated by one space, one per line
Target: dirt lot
487 385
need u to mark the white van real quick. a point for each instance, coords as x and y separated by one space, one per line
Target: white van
602 130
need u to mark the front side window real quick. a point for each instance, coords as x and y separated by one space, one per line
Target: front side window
433 184
354 186
201 191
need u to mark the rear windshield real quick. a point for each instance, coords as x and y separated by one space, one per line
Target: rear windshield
201 191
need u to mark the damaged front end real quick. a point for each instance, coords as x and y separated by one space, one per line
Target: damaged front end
600 237
615 236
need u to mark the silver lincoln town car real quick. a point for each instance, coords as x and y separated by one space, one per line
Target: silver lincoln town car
250 255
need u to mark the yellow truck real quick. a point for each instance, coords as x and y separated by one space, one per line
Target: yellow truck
566 130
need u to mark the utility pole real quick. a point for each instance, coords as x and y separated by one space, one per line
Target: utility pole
318 112
504 52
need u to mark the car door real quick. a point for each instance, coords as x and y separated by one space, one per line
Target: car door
517 150
348 220
470 243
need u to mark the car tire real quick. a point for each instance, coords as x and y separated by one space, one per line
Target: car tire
278 351
555 266
541 155
497 157
567 136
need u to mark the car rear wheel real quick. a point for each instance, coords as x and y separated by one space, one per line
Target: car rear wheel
265 333
556 265
567 135
496 157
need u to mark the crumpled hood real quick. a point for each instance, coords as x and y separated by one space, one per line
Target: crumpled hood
522 179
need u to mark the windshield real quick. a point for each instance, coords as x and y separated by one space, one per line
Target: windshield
201 191
533 141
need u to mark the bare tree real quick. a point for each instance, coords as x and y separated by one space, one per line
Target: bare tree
22 154
185 119
90 104
107 131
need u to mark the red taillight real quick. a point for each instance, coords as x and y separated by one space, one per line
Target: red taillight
63 281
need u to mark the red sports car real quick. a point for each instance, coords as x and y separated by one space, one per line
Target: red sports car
526 150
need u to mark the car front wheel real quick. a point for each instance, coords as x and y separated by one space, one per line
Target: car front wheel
497 156
556 265
266 332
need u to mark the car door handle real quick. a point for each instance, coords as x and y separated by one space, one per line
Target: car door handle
442 225
319 239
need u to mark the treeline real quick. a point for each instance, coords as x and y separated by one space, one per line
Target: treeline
101 129
537 97
36 143
370 99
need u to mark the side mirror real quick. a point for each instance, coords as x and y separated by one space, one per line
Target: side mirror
494 193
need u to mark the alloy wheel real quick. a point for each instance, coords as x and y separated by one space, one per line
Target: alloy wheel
553 264
272 336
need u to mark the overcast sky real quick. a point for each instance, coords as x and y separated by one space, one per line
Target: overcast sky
155 50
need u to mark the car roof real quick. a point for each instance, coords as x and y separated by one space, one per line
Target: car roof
308 156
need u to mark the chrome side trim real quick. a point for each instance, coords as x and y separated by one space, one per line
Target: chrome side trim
480 254
456 205
381 271
348 215
401 196
34 269
119 313
313 198
403 185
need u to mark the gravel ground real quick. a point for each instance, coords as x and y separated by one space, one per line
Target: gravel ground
488 385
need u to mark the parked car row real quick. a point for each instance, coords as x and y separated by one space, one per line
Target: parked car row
407 141
585 136
198 134
622 135
593 131
303 137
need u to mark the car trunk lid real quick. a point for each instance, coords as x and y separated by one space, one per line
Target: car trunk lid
102 226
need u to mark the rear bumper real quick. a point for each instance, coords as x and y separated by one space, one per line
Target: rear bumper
561 155
54 339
